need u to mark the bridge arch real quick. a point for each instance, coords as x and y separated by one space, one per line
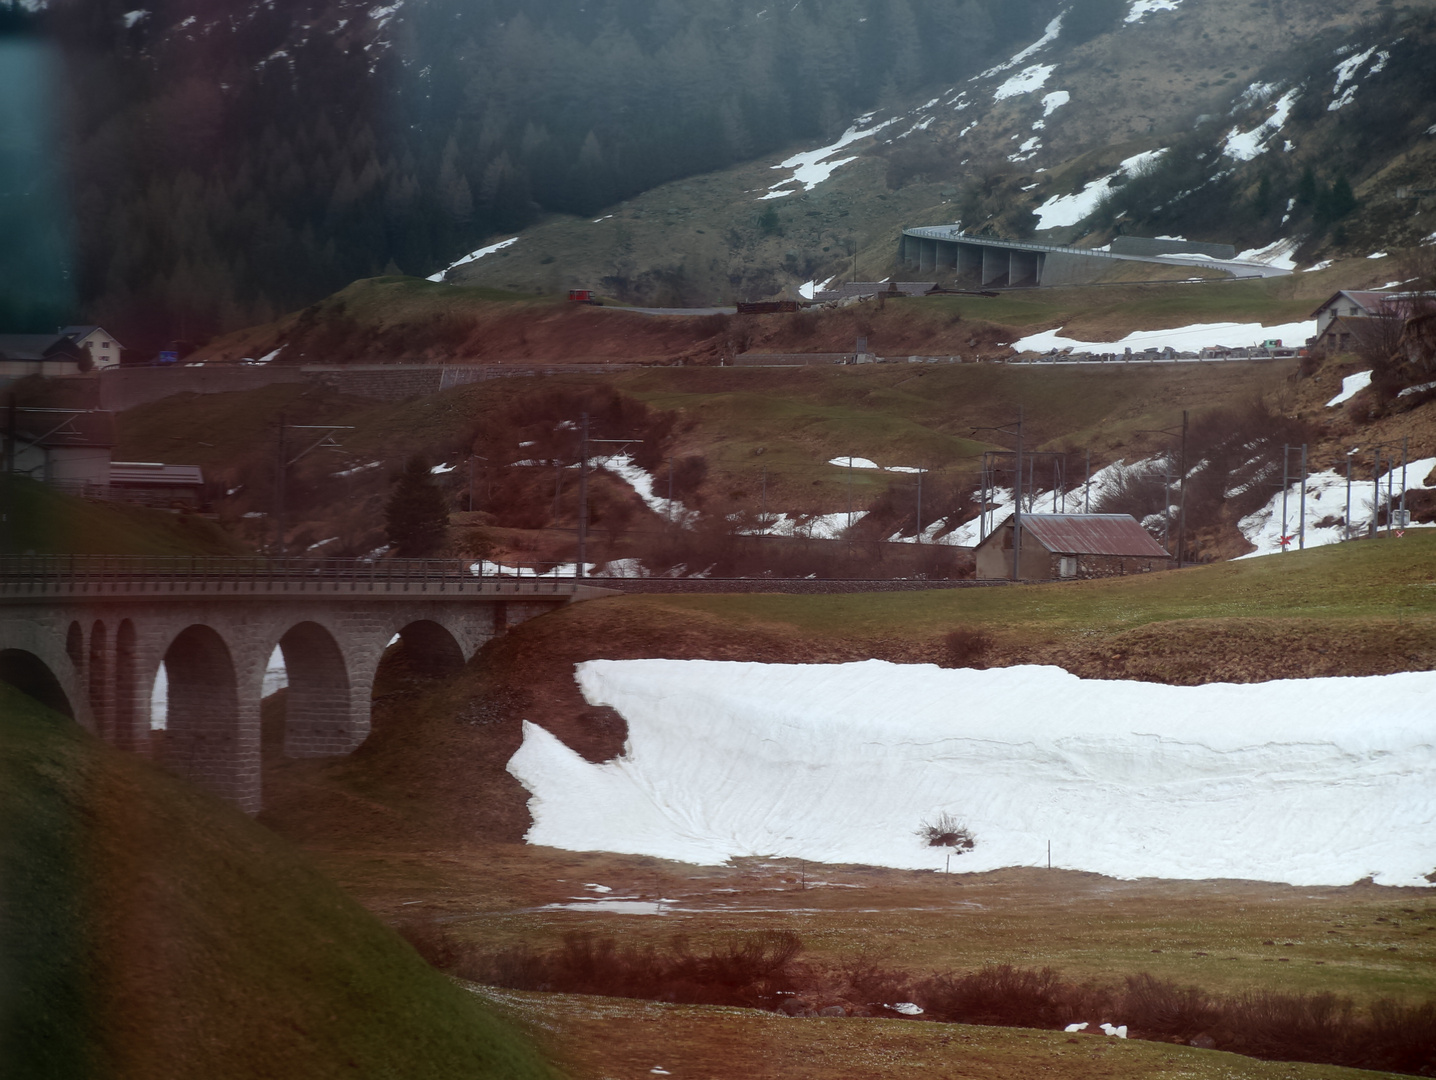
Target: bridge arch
431 649
319 710
29 674
205 739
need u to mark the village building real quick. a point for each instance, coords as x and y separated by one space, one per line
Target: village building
71 449
1341 320
99 344
156 484
68 448
1070 546
47 355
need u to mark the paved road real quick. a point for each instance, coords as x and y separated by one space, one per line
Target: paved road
683 310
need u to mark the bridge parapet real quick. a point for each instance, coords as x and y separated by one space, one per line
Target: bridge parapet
115 576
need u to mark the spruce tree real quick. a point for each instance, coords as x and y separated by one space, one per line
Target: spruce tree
416 517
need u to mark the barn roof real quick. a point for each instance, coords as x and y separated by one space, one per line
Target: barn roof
65 427
1370 301
154 474
1092 534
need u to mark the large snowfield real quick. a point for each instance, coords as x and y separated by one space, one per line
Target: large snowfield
1310 782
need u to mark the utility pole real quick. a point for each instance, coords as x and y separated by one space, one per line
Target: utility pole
1182 498
919 506
1301 525
1346 521
850 489
670 490
578 569
283 468
1404 521
1016 492
1017 508
11 432
1087 484
1376 494
1285 487
763 503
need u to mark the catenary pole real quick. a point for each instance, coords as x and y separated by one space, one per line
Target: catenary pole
578 570
1285 487
1017 506
1301 525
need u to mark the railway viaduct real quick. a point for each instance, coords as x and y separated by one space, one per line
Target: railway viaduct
88 635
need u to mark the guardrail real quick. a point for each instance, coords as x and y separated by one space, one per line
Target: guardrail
70 575
947 232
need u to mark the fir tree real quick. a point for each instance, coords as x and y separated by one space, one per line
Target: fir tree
416 517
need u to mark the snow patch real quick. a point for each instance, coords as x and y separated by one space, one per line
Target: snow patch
1049 35
1182 338
474 256
1142 8
1278 253
1326 501
1308 782
1063 210
812 167
1350 387
1054 101
1024 82
1346 72
1245 145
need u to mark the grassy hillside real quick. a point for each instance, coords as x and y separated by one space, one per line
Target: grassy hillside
147 931
43 521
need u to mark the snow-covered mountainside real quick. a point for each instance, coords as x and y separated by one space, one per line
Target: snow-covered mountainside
1320 781
1288 131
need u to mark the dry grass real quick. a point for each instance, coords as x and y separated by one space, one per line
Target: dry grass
602 1038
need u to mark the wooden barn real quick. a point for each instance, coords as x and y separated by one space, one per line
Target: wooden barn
1069 546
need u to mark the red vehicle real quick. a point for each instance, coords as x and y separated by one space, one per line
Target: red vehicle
583 296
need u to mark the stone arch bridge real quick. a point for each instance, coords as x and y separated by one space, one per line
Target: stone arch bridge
87 635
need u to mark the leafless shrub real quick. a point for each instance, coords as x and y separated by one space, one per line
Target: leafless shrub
1158 1006
946 831
1003 995
966 646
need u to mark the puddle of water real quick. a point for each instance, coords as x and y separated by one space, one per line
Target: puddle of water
618 907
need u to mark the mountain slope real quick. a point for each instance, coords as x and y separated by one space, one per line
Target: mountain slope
147 931
1236 120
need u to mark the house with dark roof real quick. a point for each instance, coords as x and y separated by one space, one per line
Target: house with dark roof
1345 316
39 354
67 447
1069 546
97 342
155 483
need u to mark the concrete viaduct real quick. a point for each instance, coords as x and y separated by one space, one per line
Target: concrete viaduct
87 636
990 262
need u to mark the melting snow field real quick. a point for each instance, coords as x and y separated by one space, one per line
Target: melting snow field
1310 782
1181 338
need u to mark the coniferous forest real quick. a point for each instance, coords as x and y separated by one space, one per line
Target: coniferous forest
227 162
